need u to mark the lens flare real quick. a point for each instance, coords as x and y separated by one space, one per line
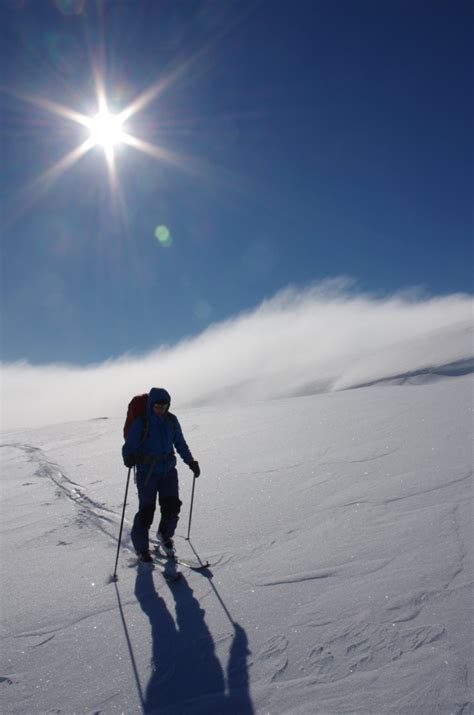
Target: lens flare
163 235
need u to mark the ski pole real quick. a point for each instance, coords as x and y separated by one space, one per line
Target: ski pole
114 577
191 509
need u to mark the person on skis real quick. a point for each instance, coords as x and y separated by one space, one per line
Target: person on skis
149 446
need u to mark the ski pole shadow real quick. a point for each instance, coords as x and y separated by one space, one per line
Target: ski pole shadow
130 648
187 675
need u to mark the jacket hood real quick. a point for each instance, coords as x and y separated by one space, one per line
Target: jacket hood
157 394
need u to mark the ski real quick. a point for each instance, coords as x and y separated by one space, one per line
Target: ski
193 565
144 567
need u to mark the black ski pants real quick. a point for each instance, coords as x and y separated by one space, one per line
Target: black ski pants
164 488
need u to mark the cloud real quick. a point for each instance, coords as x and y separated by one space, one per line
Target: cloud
326 337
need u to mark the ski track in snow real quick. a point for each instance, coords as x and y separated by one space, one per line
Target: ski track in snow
90 512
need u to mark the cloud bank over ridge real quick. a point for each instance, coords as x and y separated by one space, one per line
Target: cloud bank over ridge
325 337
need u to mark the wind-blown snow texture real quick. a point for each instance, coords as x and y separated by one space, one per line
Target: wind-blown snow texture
339 531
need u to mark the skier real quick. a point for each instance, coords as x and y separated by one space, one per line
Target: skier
149 445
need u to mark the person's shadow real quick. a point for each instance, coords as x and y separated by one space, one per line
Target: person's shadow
186 673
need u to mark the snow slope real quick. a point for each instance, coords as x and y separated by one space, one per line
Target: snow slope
339 531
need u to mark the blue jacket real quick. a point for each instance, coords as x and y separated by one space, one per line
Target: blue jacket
162 434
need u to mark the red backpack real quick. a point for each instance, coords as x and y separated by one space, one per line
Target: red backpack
136 408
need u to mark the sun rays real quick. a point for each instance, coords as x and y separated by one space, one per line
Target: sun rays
107 129
106 126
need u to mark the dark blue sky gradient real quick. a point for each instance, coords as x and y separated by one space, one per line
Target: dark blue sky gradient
319 139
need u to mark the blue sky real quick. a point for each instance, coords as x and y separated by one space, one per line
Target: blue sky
312 140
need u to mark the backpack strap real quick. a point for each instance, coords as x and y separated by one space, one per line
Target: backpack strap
144 429
171 419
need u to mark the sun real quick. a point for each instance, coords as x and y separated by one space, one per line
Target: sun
106 129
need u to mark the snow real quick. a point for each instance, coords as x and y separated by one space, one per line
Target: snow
339 531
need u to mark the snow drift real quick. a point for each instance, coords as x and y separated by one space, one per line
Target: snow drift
325 338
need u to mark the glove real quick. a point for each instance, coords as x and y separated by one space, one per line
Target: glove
194 467
129 461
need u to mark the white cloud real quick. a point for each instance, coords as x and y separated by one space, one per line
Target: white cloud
301 341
